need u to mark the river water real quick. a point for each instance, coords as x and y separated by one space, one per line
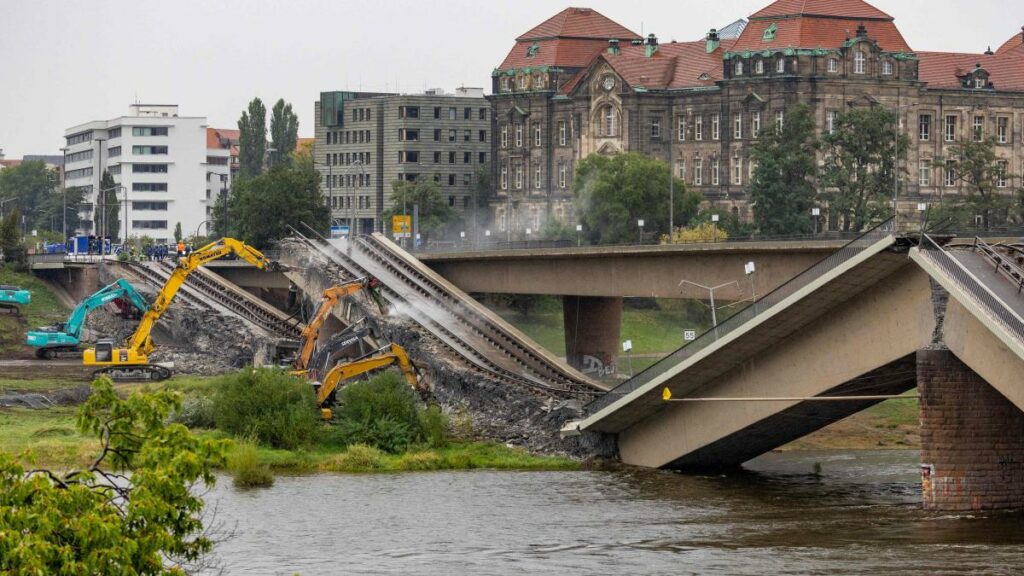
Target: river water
859 515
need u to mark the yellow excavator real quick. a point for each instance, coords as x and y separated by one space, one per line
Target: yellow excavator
382 358
331 296
132 361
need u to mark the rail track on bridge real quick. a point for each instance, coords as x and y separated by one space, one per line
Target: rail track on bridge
489 349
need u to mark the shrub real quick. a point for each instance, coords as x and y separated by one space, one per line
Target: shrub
357 458
244 465
266 405
421 461
380 412
434 426
195 412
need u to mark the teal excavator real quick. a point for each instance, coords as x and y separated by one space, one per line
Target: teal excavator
63 338
12 297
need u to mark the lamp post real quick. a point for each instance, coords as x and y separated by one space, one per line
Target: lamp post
815 212
64 191
579 231
640 227
711 293
714 226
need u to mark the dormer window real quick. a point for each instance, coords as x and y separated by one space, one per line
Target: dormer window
522 81
833 65
887 68
858 62
780 65
979 82
759 67
739 68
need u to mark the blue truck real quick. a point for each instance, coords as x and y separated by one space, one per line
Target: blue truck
63 338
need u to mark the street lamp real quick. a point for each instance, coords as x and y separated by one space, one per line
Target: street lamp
749 270
711 292
579 231
815 212
640 226
714 226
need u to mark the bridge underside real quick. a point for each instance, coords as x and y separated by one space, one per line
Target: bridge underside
802 419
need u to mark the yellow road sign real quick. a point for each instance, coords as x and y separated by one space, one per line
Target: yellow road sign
401 226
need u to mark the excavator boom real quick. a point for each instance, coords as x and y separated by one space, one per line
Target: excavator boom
331 297
386 356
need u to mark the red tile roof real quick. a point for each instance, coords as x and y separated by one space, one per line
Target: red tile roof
1015 41
571 39
674 65
10 163
579 23
834 8
812 32
940 69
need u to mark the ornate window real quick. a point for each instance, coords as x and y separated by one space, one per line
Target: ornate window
859 61
698 172
609 121
536 134
504 136
681 129
519 135
536 176
830 121
1002 129
1001 170
979 128
737 171
715 127
833 65
561 133
780 65
504 177
925 127
737 126
755 123
759 67
561 175
698 128
738 68
887 67
655 128
924 173
714 171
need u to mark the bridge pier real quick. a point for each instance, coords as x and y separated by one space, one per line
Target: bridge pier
972 438
592 326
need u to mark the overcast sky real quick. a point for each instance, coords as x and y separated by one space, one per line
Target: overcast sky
65 63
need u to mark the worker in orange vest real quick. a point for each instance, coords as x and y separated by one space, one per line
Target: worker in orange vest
181 249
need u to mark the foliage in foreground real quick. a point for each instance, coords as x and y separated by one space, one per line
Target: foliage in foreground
266 405
98 520
383 412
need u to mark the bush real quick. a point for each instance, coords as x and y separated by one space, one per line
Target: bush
421 461
196 412
383 412
357 458
244 465
434 426
266 405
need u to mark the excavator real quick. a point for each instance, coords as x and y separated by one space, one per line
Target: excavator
326 355
330 298
12 298
63 337
131 362
377 360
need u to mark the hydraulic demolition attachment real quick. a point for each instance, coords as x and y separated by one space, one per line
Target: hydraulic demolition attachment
63 337
382 358
331 297
12 298
132 361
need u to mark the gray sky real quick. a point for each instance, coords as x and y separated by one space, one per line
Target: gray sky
65 63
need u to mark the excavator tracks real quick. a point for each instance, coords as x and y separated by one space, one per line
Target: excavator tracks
489 350
134 373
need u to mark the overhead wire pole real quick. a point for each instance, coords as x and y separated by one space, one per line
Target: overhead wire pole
711 292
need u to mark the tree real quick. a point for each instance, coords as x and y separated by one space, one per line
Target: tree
783 186
10 238
284 133
177 232
54 210
482 190
435 215
260 209
32 185
106 219
860 164
252 139
613 192
980 171
134 510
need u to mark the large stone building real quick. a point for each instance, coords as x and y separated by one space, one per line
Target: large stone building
365 141
579 84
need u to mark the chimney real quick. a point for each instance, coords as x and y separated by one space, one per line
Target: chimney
652 45
712 41
613 46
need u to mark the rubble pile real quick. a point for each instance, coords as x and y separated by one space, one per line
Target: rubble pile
499 412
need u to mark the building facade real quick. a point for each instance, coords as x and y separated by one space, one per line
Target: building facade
366 141
580 84
159 163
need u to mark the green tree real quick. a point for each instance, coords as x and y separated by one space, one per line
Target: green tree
613 192
54 209
783 186
107 212
132 511
10 238
860 156
980 172
32 185
252 139
260 209
436 217
284 133
177 232
483 188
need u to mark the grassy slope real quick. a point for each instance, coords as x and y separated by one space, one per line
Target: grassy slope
44 309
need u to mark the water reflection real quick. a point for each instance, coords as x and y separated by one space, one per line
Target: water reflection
855 513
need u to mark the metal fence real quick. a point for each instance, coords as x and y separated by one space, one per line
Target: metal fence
745 315
970 284
444 247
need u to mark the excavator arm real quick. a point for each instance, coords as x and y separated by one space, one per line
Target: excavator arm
66 335
386 356
330 298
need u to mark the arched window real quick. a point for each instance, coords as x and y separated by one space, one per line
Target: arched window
608 121
780 65
858 62
759 67
739 68
887 67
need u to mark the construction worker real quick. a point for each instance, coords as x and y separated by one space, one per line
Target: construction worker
181 249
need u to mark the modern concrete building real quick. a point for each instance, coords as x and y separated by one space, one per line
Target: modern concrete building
366 141
158 161
221 165
580 84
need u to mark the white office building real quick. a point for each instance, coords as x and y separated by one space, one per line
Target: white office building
159 162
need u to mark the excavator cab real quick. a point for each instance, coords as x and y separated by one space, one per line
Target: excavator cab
105 350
